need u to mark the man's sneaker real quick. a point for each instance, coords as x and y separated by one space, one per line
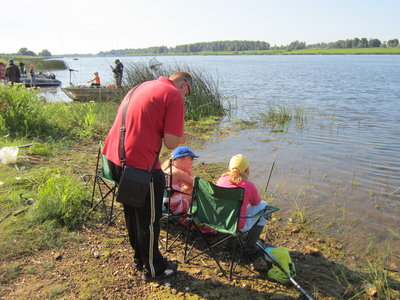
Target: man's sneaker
137 264
171 270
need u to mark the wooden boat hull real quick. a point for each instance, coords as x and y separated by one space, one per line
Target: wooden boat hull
93 94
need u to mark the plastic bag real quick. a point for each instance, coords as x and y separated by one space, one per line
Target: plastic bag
8 155
281 256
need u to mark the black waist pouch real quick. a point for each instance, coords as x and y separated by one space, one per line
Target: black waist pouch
134 186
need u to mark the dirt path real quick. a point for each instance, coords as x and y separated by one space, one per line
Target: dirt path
99 267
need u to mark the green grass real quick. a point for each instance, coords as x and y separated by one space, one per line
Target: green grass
26 115
57 203
60 198
9 272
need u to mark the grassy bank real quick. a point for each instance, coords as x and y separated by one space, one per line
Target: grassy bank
349 51
312 52
25 115
42 64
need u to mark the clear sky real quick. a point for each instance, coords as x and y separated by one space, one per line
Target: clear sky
81 26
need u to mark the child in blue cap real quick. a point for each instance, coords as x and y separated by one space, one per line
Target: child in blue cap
180 167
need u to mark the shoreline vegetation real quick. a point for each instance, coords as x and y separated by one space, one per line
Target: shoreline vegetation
316 51
355 46
54 246
41 63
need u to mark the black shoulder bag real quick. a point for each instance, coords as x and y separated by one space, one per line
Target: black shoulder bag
134 184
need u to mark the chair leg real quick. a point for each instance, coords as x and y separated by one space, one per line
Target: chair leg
95 176
233 259
167 237
93 189
116 216
112 206
209 247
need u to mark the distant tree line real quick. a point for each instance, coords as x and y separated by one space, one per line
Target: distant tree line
218 46
232 46
26 52
341 44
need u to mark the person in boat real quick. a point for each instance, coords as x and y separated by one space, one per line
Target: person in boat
12 72
96 80
3 78
118 71
154 116
32 75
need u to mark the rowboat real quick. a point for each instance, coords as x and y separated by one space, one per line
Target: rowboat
41 80
84 93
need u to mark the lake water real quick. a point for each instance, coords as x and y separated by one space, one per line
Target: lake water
341 166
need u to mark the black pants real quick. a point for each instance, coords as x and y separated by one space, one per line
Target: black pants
143 223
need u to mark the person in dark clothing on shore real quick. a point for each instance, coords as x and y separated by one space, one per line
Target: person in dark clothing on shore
22 69
12 72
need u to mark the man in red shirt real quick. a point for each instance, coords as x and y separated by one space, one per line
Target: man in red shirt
155 115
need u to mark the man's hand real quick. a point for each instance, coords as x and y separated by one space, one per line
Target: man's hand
184 138
172 141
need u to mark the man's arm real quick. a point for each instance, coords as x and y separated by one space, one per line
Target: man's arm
172 141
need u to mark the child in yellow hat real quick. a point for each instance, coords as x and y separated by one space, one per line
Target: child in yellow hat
237 176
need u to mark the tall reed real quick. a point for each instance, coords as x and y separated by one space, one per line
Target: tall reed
205 100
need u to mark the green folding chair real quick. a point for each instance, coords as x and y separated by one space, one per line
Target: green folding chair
106 186
218 208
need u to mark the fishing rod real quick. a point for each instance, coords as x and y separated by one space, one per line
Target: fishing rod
292 280
67 59
75 148
273 163
94 45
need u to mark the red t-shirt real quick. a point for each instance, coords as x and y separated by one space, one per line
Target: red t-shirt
251 195
156 107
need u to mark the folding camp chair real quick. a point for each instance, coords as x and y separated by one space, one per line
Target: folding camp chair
219 208
106 186
168 215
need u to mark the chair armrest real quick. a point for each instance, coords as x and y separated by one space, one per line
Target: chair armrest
269 209
170 191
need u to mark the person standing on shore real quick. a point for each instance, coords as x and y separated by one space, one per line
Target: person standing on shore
22 68
32 75
118 71
12 72
155 115
3 78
